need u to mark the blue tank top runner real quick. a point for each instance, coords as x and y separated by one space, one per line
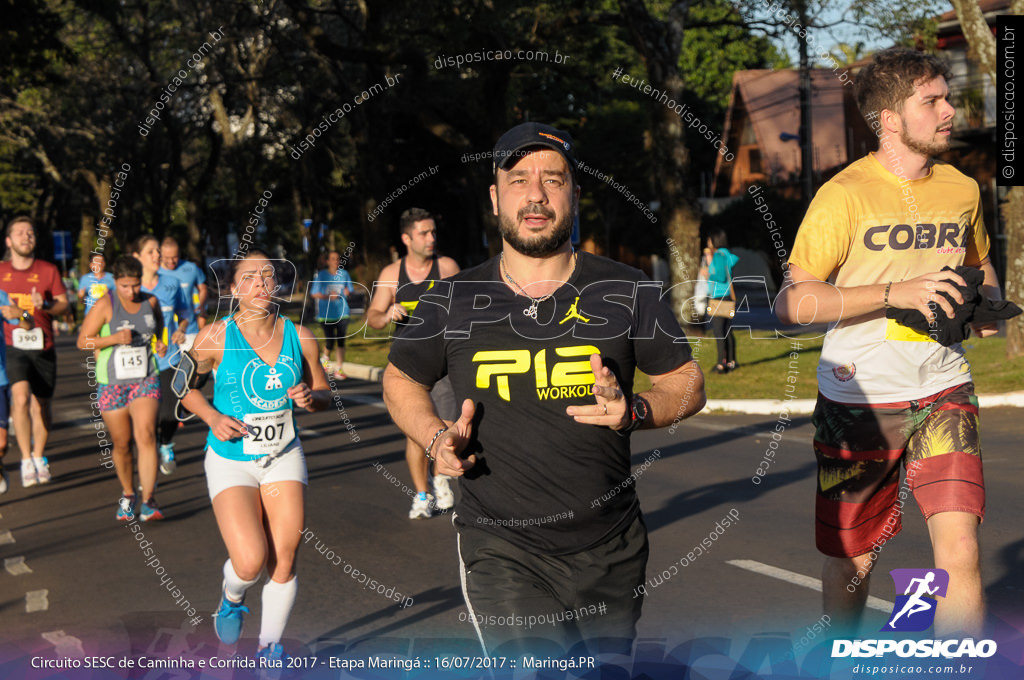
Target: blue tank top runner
255 392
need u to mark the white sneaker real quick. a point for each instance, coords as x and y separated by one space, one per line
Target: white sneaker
443 492
421 509
3 480
42 470
28 473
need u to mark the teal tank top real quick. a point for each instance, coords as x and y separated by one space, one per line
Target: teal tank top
255 392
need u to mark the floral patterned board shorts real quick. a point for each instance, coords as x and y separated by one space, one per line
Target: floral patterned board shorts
860 447
113 397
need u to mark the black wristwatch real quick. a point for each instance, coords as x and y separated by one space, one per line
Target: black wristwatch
638 411
25 315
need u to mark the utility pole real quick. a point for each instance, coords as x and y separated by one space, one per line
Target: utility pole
806 135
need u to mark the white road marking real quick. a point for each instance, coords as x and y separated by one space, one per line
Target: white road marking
748 430
800 580
6 537
35 601
15 566
66 645
80 418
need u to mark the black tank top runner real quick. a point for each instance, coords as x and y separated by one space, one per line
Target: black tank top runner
408 293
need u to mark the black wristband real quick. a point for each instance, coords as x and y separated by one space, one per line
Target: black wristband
638 411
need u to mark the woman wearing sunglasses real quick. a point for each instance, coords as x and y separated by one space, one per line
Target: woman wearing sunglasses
255 469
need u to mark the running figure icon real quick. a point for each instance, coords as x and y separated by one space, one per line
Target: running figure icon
917 603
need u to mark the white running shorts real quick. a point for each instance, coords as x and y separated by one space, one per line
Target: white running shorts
224 473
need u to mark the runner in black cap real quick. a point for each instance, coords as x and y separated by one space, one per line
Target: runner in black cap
541 344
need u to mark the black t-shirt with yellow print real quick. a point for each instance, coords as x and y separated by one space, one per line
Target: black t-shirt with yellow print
540 475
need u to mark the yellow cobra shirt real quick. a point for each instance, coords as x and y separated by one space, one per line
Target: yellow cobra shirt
869 226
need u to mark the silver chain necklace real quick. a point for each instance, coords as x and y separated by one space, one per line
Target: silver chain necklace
531 311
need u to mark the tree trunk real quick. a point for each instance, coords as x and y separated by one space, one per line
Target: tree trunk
979 37
195 248
983 47
85 240
1013 216
659 44
87 236
672 160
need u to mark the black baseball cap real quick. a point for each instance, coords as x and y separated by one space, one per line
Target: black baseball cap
526 135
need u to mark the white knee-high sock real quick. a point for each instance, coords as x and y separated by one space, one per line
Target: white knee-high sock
278 599
234 585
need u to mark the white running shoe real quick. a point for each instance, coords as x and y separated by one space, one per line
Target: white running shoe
443 492
42 470
421 508
3 479
28 473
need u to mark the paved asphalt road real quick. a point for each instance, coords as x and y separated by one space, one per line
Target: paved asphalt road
76 581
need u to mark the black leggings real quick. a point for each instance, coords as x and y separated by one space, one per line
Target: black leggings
167 423
726 341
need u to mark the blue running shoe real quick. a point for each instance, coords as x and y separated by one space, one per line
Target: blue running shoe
167 464
149 511
270 661
126 508
228 619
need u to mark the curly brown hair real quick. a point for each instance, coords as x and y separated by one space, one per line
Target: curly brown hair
892 76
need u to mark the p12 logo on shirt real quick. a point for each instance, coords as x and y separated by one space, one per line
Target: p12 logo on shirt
565 379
